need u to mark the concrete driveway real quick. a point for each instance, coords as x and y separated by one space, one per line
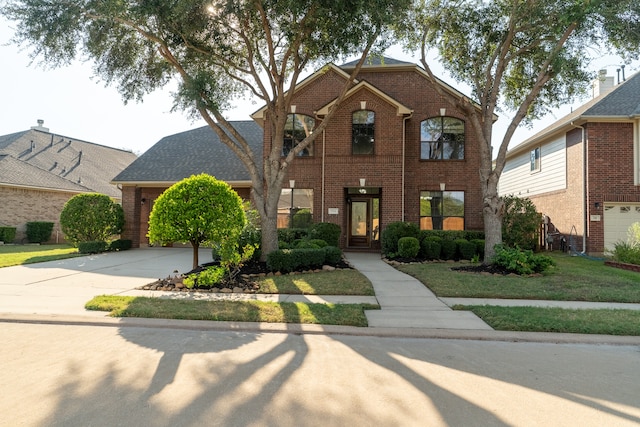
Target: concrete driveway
64 286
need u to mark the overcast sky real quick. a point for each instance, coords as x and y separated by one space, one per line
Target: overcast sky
75 104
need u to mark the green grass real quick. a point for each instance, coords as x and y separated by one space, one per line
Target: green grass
539 319
338 282
233 311
572 279
29 254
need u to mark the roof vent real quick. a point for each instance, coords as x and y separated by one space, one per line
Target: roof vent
40 126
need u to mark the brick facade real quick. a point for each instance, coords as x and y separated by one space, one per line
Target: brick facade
21 205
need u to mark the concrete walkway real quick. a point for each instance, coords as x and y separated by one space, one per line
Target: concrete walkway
405 301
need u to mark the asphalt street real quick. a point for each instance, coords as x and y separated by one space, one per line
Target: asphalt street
109 375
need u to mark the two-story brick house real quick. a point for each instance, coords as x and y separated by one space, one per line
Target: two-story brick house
583 171
393 151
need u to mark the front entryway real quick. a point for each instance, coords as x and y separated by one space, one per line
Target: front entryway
363 218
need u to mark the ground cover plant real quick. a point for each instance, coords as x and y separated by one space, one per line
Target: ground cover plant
232 311
29 254
552 319
573 278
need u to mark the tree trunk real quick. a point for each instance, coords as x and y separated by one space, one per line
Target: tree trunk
196 247
269 235
492 212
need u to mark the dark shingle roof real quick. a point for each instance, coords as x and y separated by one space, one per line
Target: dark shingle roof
70 164
624 100
179 156
376 60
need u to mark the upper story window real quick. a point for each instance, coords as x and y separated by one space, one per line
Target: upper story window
296 129
442 138
535 159
363 135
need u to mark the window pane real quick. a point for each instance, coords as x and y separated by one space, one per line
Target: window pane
454 203
442 138
297 128
430 203
363 132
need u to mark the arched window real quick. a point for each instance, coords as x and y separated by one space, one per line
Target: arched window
296 129
362 132
442 138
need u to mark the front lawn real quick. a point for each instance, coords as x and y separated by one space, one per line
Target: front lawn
552 319
338 282
29 254
574 278
232 311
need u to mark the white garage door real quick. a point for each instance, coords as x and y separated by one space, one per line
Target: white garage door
618 218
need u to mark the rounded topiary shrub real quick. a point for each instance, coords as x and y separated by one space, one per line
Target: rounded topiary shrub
91 217
332 255
430 248
94 247
408 247
466 249
326 231
393 232
448 249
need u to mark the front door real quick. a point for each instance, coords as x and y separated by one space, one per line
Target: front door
363 221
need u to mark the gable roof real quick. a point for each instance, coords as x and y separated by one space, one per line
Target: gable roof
400 108
622 103
40 159
196 151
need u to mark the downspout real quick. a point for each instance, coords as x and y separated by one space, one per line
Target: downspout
585 205
322 190
404 142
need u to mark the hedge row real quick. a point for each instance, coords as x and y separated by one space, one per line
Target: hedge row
7 234
287 260
406 240
39 231
96 247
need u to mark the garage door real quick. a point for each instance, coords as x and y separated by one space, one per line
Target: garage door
617 220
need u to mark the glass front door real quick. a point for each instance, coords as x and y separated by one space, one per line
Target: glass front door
363 221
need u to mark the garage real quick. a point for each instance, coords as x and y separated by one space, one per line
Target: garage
618 217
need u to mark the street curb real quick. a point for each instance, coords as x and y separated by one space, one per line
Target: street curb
311 329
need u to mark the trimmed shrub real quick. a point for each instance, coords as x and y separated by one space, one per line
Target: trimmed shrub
520 223
39 231
479 244
326 231
93 247
302 219
91 217
287 260
408 247
290 235
465 249
306 244
430 248
120 245
448 249
393 233
521 261
332 255
7 234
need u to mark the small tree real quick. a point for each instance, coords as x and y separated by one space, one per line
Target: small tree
520 223
198 210
91 217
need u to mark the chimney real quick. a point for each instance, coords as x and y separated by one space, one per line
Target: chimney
602 84
40 126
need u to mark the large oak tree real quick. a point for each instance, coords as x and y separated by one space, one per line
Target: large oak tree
219 50
524 56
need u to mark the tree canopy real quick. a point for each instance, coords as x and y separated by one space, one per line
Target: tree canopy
197 210
524 57
219 50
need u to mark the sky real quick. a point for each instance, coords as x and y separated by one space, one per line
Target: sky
74 103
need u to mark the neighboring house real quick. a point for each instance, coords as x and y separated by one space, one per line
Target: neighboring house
583 171
40 171
394 151
174 158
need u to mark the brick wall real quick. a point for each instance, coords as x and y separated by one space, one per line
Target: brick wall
20 206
